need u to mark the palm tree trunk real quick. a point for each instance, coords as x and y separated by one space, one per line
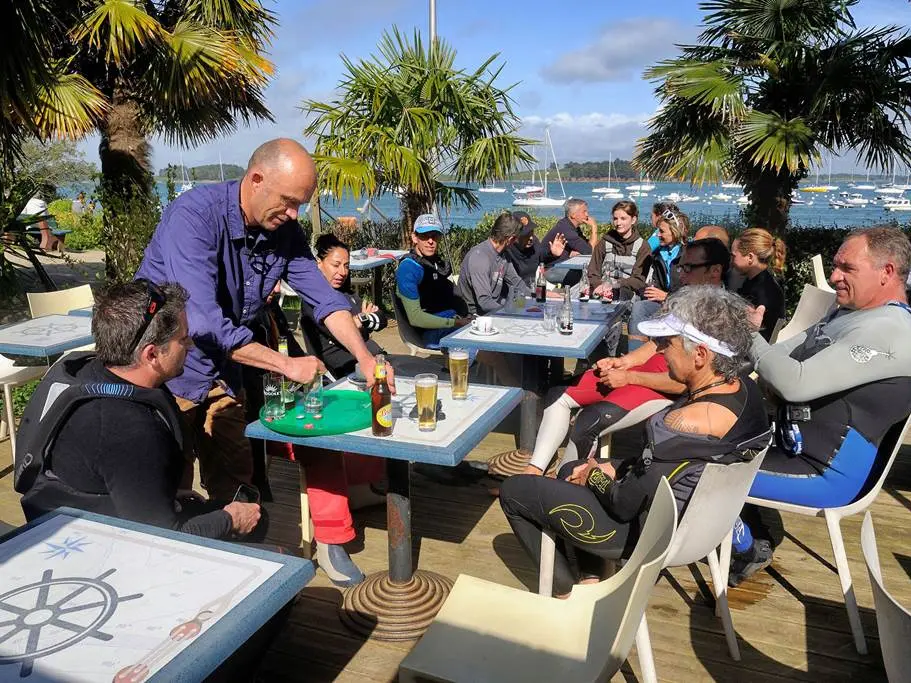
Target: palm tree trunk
126 187
770 194
413 205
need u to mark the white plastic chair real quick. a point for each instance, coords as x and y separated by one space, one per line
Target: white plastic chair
819 274
893 622
893 440
488 632
60 302
707 523
638 414
12 375
813 306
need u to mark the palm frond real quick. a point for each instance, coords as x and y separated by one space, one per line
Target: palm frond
69 106
247 18
412 116
776 143
119 29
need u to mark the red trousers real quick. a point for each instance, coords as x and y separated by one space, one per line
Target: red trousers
587 391
329 474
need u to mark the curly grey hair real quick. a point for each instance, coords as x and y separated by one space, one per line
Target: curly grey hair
718 313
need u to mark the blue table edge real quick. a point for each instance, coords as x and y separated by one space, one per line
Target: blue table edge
450 455
39 351
205 655
488 344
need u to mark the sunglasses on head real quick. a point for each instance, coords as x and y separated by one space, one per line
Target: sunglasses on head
671 216
154 301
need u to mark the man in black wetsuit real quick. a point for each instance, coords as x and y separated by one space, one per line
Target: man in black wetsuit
119 457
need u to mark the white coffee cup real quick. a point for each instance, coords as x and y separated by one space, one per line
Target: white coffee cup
483 324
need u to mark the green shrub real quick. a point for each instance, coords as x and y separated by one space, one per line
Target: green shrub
85 228
128 225
21 397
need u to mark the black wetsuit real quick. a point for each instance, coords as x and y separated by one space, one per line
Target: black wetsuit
603 519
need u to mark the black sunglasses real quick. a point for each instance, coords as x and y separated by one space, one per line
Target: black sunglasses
688 267
156 299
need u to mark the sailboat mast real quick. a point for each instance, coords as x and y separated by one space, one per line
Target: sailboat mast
556 165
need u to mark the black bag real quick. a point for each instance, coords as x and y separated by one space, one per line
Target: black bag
57 396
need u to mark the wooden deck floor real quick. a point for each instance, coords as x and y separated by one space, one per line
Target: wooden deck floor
790 621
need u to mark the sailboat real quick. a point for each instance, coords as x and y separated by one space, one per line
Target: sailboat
492 189
187 184
540 199
817 187
641 187
830 186
907 185
608 192
866 185
531 188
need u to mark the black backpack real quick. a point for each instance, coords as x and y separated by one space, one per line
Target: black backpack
60 392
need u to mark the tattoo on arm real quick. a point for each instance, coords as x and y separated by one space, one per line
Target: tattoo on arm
683 421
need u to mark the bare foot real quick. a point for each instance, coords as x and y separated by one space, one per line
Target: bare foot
531 469
589 580
562 597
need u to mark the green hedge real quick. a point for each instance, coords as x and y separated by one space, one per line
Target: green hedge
86 227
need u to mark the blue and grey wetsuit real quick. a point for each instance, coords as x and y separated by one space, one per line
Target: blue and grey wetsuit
852 371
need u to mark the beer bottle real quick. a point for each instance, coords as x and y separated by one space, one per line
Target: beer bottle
540 286
381 400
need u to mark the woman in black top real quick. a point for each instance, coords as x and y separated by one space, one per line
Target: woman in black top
759 256
332 258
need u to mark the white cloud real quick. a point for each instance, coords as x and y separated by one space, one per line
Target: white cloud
620 52
590 136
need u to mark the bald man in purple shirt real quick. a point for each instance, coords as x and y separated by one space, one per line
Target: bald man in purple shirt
229 244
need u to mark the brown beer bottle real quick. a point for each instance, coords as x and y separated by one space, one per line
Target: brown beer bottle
381 399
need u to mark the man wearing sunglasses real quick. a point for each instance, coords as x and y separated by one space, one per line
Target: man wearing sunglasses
229 244
121 456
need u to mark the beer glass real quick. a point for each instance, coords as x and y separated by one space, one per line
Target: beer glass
425 391
273 403
458 373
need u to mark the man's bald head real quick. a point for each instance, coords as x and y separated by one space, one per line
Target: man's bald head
713 232
280 177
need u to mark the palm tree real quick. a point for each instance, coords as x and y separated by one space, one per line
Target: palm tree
40 96
407 118
187 70
772 85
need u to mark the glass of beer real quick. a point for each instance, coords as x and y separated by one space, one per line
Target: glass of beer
425 390
458 373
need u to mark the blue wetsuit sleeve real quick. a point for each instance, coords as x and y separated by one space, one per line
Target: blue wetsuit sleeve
408 277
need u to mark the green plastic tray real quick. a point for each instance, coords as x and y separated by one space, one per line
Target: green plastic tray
343 412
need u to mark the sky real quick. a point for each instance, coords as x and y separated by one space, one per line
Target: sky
577 65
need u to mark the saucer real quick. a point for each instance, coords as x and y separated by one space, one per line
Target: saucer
478 333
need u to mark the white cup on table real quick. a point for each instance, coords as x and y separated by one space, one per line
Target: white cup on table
483 324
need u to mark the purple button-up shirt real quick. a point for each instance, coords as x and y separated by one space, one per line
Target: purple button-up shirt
201 243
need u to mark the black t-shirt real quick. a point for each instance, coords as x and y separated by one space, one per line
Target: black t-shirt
321 342
123 452
763 290
575 241
525 261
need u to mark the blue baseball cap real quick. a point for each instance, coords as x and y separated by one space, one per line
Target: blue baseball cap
427 222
